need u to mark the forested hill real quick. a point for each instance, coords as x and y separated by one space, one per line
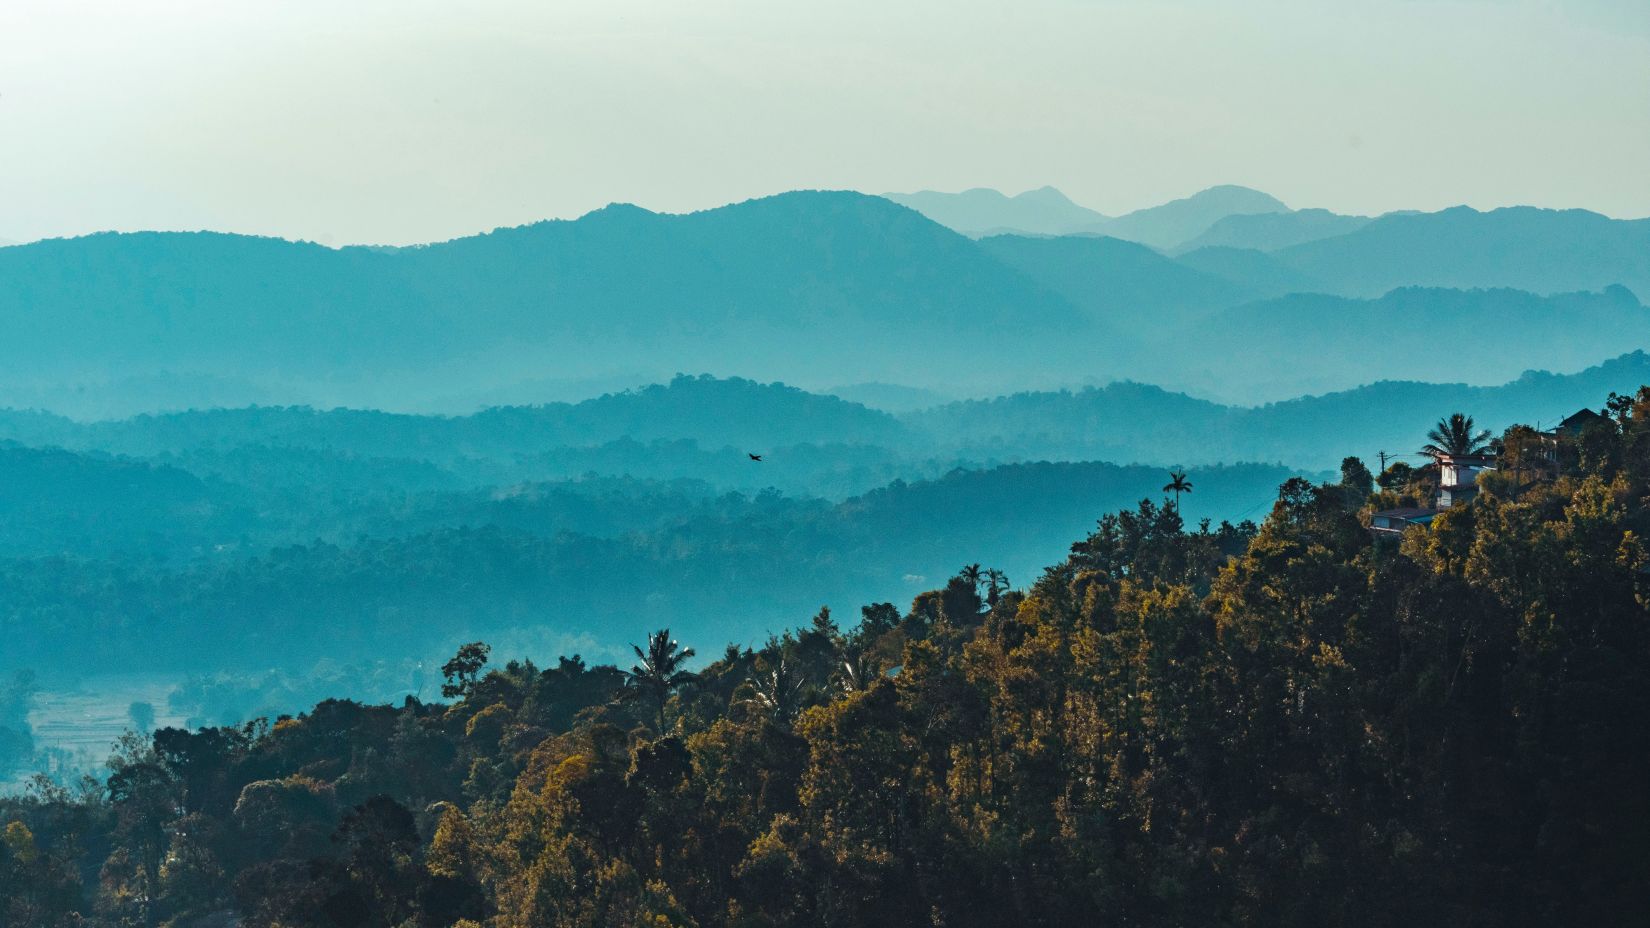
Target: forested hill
1137 422
824 284
701 427
576 561
1289 725
818 288
1540 250
713 411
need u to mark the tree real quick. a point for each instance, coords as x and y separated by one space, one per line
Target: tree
1177 485
1356 476
1455 437
776 690
858 670
1398 475
972 575
996 583
660 671
462 671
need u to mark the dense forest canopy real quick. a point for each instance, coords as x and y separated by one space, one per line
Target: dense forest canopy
220 565
1283 724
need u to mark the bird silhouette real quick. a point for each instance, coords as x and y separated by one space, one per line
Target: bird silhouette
754 457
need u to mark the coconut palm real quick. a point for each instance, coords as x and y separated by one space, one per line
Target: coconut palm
776 690
858 670
1177 485
1454 437
660 671
995 583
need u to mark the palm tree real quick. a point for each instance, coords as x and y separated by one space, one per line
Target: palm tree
972 575
1177 485
776 691
1454 437
660 671
858 671
995 583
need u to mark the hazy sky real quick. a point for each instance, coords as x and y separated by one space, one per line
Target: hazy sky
405 120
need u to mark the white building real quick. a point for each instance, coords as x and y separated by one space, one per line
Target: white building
1458 477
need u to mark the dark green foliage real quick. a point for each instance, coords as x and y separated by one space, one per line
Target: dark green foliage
462 670
1272 725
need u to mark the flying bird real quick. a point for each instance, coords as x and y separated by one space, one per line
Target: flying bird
754 457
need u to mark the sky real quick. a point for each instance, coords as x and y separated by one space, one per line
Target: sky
403 121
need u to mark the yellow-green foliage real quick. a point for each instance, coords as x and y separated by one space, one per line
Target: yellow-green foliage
1295 727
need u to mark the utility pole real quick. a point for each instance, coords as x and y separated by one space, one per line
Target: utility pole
1383 456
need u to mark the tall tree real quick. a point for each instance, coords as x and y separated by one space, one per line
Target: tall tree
462 671
660 671
1455 436
996 582
1177 485
776 690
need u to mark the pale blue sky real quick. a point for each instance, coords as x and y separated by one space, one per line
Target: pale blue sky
414 120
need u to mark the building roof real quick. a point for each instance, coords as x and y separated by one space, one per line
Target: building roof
1578 421
1408 513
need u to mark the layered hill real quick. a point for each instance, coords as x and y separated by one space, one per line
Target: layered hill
1047 211
571 566
701 428
813 288
1540 250
1305 342
717 412
834 285
1178 221
1135 422
1270 231
1125 284
983 211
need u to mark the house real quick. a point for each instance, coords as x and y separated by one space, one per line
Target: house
1457 484
1575 424
1458 477
1559 441
1458 473
1391 523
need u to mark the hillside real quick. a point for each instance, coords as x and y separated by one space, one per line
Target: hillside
1270 231
1412 333
700 428
1253 272
568 563
1133 422
1126 285
807 285
1179 221
983 211
1540 250
717 412
815 288
55 502
1291 724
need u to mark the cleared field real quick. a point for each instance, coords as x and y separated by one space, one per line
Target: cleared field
83 722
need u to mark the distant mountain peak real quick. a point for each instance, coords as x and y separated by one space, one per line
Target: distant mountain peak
1178 222
986 210
1231 199
619 211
